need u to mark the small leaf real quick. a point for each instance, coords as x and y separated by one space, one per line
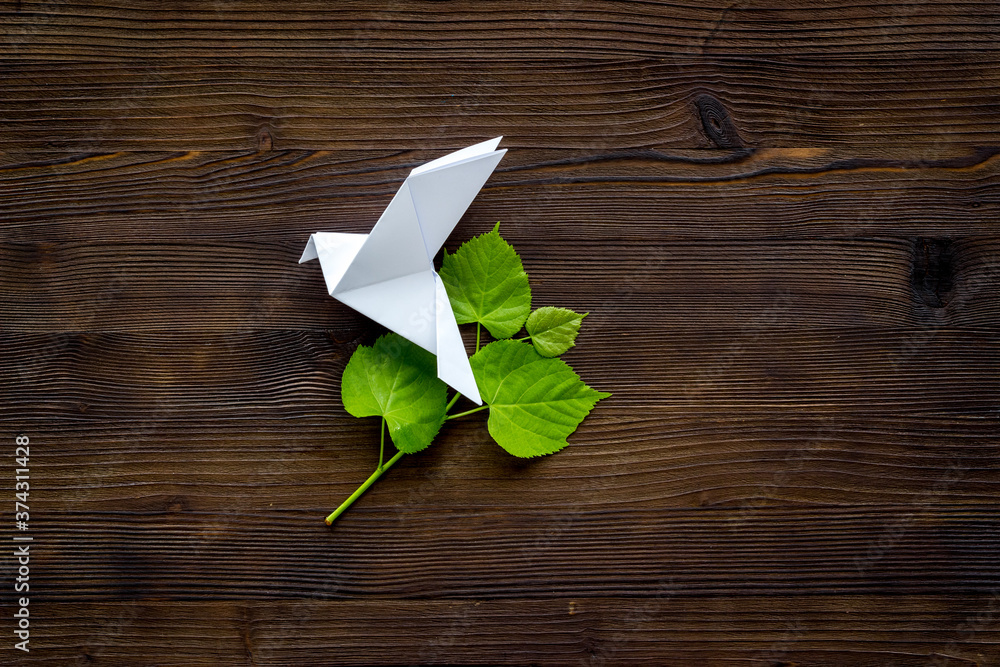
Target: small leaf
553 330
397 380
486 283
535 403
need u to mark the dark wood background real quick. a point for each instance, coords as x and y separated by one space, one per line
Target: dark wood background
783 222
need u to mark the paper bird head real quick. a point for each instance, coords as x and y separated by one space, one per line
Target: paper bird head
389 274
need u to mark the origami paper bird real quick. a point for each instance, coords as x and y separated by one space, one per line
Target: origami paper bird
389 274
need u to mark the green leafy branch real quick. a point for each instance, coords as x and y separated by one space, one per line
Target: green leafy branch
535 400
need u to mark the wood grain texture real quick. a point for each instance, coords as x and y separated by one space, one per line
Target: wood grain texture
97 375
339 104
575 195
782 221
394 29
759 631
512 554
751 286
614 462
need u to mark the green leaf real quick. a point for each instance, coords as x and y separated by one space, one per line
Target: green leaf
486 283
553 330
535 403
397 380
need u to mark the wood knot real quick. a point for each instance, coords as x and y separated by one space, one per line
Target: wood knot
264 140
716 123
933 274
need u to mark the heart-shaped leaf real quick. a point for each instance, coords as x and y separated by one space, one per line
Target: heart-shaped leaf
397 380
553 330
486 283
535 403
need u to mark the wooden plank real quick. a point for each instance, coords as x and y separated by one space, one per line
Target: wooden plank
762 369
930 548
277 374
630 288
225 422
945 630
562 195
169 461
456 31
341 104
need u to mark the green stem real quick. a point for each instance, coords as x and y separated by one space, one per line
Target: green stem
454 399
361 489
479 328
381 445
467 412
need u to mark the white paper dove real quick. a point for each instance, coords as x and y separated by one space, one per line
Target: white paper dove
389 274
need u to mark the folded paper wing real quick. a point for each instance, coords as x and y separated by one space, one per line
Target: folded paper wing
389 274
